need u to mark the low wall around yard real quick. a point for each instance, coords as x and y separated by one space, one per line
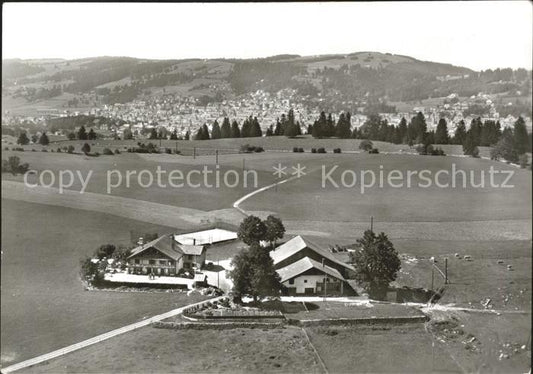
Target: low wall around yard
217 325
358 321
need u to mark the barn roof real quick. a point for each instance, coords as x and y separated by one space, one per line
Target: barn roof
297 244
303 265
163 244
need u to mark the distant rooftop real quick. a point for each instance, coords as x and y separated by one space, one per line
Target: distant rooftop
211 236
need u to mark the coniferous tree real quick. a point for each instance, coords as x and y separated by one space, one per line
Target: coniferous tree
43 140
225 131
441 135
256 129
460 133
216 133
82 134
235 131
205 132
270 131
23 139
401 135
343 130
521 139
277 130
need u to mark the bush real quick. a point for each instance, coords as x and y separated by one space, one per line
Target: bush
247 148
44 150
374 151
96 154
107 152
321 150
33 150
301 150
295 150
59 150
168 150
6 149
18 149
313 150
366 145
337 150
70 149
117 151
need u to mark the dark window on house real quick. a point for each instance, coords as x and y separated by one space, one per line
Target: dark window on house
291 281
162 262
171 263
305 280
137 261
151 262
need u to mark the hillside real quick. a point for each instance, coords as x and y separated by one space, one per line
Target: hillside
327 80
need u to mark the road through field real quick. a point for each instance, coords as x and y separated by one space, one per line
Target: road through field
99 338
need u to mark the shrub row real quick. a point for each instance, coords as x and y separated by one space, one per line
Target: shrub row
298 150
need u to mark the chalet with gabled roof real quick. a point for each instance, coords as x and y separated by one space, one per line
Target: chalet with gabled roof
165 256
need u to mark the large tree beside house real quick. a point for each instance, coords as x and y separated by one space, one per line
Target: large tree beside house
376 262
254 274
274 229
252 230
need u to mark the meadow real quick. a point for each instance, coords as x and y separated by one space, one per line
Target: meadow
193 351
44 305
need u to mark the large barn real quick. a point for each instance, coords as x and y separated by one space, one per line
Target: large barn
307 269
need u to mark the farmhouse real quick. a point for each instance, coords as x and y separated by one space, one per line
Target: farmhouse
305 268
165 256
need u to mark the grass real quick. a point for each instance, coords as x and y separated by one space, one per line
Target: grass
232 145
493 335
192 351
44 305
380 349
333 309
306 197
473 282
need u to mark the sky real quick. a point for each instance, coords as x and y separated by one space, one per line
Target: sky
478 35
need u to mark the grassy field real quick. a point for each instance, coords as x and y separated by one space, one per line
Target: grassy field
487 343
472 282
193 351
306 196
44 305
273 143
202 197
335 309
380 349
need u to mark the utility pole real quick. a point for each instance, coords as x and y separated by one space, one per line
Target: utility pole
216 156
432 275
325 287
194 153
372 223
243 164
445 271
176 147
